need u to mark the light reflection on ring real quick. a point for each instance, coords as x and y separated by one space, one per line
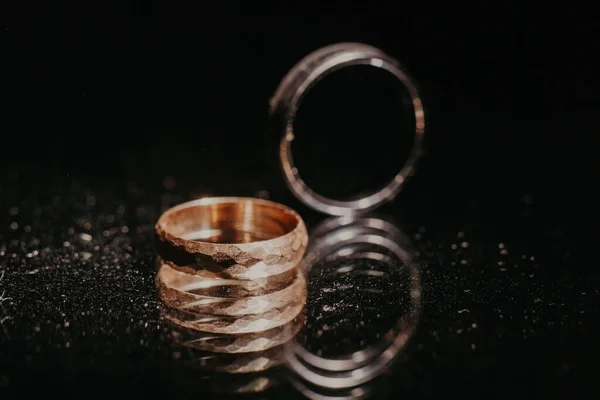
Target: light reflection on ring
348 375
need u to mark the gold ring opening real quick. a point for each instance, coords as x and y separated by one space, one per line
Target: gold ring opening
229 220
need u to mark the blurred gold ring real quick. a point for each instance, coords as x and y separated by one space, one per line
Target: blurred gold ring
231 237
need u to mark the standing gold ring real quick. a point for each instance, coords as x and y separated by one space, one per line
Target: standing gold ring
231 238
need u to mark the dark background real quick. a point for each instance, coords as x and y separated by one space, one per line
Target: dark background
511 97
109 102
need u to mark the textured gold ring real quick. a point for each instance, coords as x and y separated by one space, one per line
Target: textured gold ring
176 289
258 361
226 287
234 344
250 323
231 238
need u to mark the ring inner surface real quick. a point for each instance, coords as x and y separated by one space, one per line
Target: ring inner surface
346 149
231 222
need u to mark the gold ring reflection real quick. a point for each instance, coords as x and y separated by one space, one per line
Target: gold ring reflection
348 375
255 360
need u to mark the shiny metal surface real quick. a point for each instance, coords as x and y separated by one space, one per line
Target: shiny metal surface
233 344
199 285
357 238
177 290
288 98
231 238
249 346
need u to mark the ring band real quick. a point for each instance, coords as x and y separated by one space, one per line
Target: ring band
231 325
231 238
250 323
288 97
172 286
235 344
259 361
229 288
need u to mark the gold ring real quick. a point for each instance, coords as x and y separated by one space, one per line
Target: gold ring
176 290
231 238
228 287
226 324
259 361
235 344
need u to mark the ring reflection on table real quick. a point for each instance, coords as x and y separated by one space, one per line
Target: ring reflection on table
363 283
371 259
206 296
231 363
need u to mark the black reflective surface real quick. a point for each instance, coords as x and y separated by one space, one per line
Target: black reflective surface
502 212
